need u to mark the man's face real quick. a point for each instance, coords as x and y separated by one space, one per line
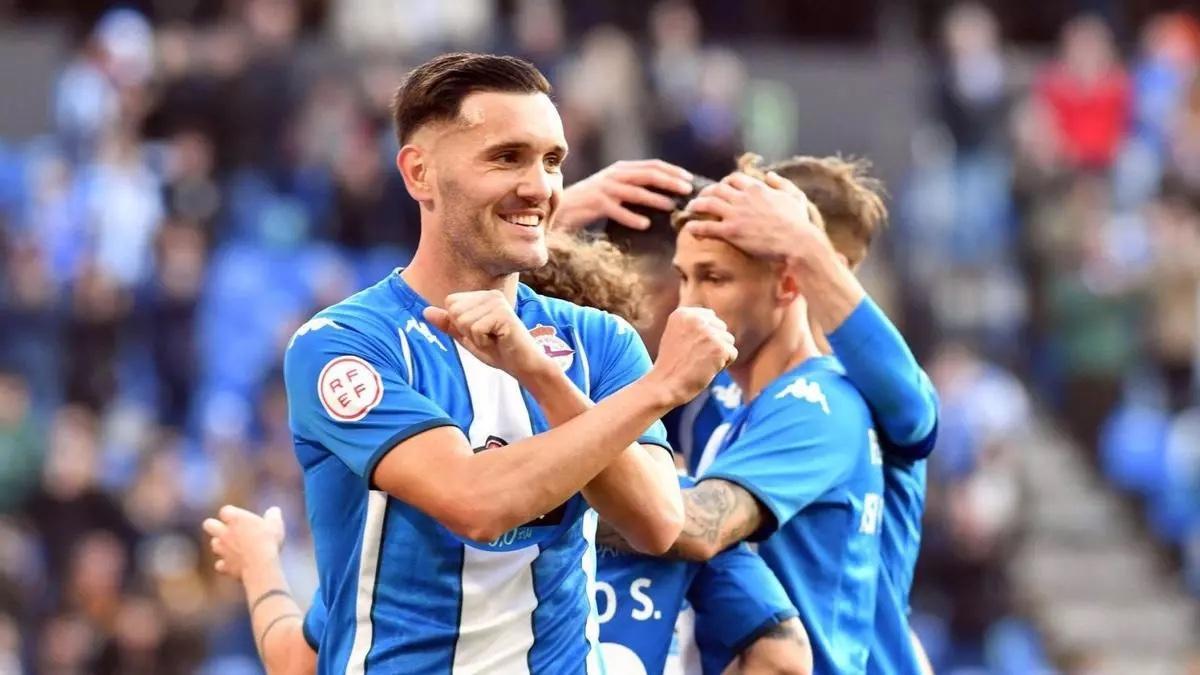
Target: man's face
745 293
495 173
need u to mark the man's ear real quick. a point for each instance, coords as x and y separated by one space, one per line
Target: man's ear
413 163
787 288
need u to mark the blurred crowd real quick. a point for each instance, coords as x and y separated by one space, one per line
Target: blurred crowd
210 183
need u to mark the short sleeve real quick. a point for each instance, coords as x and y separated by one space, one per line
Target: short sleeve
617 359
796 445
737 599
348 395
314 622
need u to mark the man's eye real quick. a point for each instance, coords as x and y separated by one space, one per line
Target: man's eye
553 161
507 157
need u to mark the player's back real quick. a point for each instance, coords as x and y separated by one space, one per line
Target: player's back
805 448
900 543
403 593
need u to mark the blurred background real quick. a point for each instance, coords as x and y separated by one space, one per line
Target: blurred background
182 182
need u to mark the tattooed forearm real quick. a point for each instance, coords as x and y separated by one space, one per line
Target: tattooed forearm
262 639
717 514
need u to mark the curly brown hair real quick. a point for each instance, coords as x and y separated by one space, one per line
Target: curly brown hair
588 272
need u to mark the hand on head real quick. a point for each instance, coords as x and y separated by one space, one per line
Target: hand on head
769 218
610 192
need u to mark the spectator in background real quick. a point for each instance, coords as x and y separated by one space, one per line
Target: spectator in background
1087 94
170 316
972 88
93 336
70 503
1174 292
1095 268
973 509
20 443
31 326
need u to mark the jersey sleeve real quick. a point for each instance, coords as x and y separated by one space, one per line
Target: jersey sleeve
795 446
879 363
347 394
621 360
314 622
737 599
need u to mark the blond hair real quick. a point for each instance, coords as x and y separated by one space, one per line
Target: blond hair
849 199
592 273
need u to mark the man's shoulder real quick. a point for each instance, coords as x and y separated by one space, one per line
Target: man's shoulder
819 390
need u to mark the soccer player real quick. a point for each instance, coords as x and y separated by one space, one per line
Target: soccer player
444 416
798 469
877 360
639 596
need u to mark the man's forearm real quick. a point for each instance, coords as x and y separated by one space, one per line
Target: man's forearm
535 475
275 617
638 492
829 287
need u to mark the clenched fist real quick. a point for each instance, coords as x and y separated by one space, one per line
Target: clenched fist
485 323
695 347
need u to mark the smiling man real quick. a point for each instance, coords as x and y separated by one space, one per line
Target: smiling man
444 417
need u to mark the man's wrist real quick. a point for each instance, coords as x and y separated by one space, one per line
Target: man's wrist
657 392
541 375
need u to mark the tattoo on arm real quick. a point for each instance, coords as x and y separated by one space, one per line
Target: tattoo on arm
269 594
262 639
718 514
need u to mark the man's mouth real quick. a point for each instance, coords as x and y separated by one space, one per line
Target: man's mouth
523 219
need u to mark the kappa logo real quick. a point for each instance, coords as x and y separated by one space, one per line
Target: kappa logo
423 328
805 390
349 388
728 395
554 346
312 325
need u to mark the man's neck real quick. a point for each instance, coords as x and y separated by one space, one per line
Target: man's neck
790 345
436 271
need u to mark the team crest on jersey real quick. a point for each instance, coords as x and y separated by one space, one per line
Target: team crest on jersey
349 388
554 346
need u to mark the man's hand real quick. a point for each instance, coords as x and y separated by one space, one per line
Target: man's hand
605 193
772 220
695 346
243 540
485 323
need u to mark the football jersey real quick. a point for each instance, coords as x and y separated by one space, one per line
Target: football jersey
805 447
904 405
699 425
640 598
402 592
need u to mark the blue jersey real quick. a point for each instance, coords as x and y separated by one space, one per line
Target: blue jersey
695 429
904 405
314 622
403 593
639 599
805 447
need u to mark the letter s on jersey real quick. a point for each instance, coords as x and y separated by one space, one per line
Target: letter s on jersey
349 388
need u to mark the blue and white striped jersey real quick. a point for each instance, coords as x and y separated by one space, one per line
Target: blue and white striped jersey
403 593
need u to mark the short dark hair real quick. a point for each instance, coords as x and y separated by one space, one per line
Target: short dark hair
434 91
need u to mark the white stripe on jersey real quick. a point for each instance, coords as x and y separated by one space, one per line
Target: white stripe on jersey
587 369
595 658
710 448
368 567
407 351
495 631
